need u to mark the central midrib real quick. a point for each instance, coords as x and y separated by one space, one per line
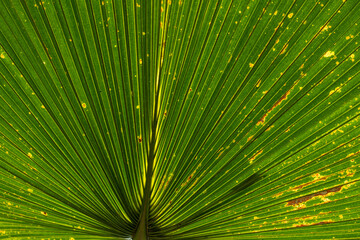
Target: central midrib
141 232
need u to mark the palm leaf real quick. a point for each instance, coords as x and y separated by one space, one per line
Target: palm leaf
179 119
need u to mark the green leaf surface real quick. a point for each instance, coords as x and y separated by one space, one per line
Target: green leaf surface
166 119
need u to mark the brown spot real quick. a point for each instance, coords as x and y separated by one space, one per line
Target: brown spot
308 183
323 222
189 178
306 217
283 98
262 119
298 201
312 224
168 181
139 139
255 155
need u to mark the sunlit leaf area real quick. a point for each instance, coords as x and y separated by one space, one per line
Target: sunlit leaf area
179 119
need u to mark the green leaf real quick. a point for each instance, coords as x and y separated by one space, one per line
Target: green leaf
180 119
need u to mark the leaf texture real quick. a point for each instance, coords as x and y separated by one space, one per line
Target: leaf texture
252 108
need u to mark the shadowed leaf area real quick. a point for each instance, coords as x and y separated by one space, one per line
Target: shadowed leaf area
179 119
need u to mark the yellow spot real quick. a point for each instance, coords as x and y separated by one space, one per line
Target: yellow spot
278 195
30 190
140 61
317 176
251 65
258 83
102 3
269 128
255 218
138 107
352 57
143 33
42 106
44 213
329 54
137 5
30 155
337 89
341 216
72 238
290 15
276 12
326 28
284 48
2 56
83 105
